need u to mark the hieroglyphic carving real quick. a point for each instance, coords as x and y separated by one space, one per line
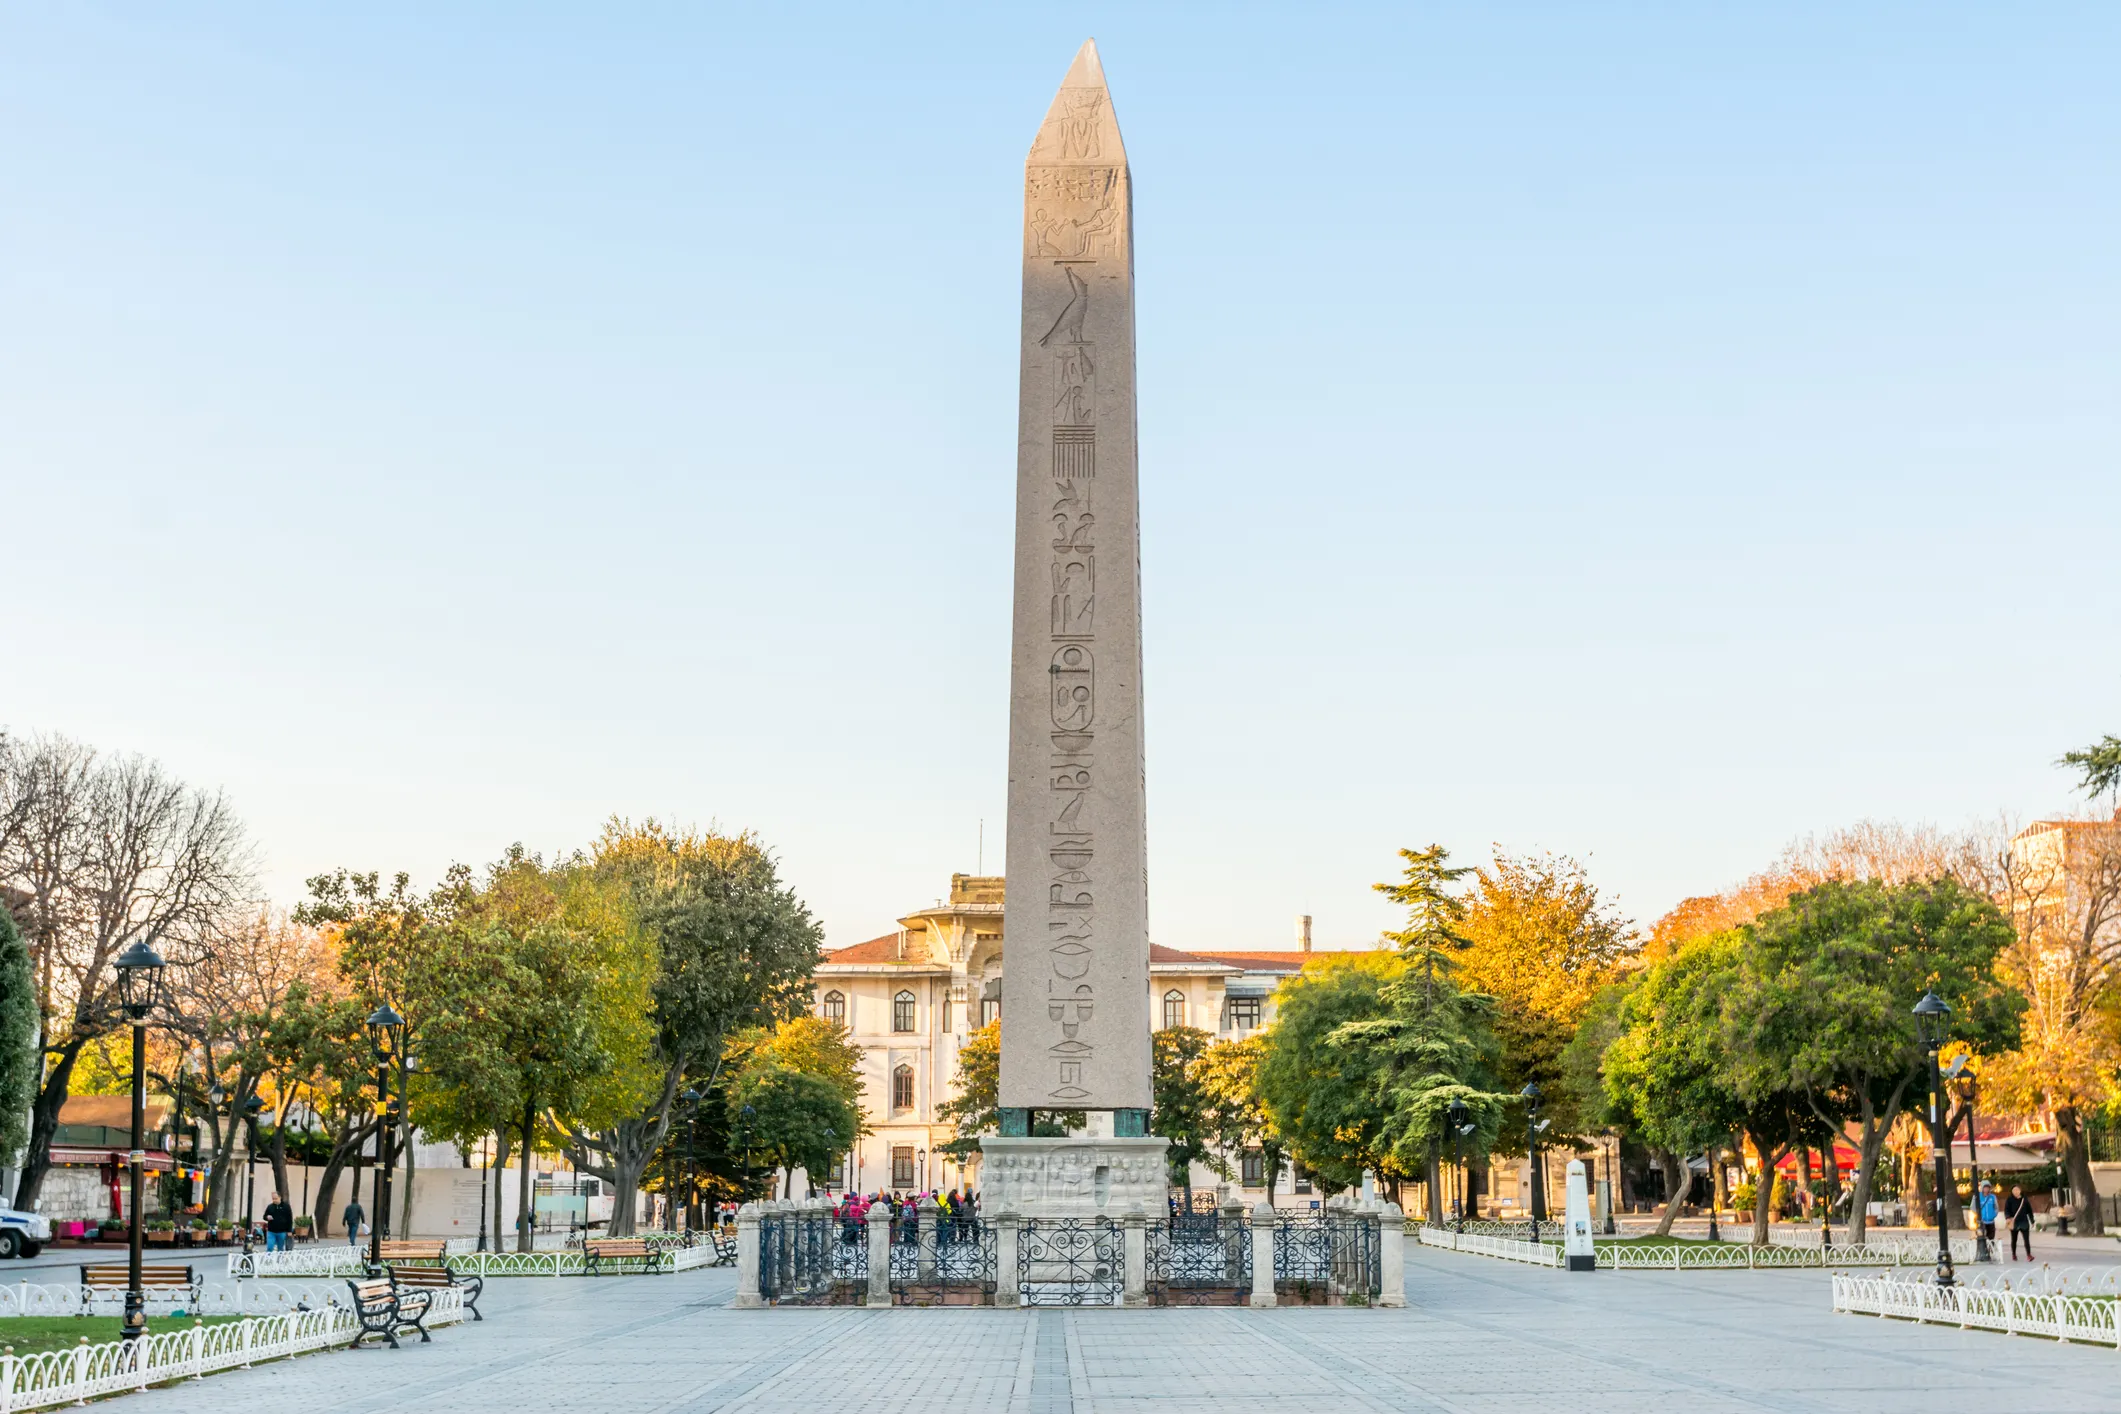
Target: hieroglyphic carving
1074 213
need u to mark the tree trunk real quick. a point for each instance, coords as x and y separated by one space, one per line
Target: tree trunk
1676 1182
1871 1128
405 1146
44 1123
500 1167
2077 1163
217 1178
1432 1181
277 1156
1719 1193
1764 1190
530 1120
345 1149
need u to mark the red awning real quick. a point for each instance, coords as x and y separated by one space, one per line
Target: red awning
67 1154
1844 1156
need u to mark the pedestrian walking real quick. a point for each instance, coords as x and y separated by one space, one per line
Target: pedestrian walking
354 1220
279 1225
2018 1216
1985 1212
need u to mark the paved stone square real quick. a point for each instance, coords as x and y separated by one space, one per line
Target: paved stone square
1479 1335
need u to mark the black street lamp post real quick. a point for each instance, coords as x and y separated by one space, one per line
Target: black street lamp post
252 1108
1532 1125
385 1028
139 990
1982 1251
1456 1117
1611 1145
691 1098
1709 1160
1932 1018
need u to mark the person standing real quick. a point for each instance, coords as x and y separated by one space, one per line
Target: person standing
1985 1213
355 1220
279 1225
2018 1216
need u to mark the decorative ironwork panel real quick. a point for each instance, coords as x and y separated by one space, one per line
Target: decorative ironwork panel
1327 1256
1070 1262
1200 1259
952 1264
799 1258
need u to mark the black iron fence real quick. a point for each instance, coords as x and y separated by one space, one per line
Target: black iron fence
1327 1257
949 1262
1200 1259
804 1260
1070 1262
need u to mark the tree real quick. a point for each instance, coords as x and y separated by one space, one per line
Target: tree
2099 765
808 1045
1179 1104
1233 1114
1323 1095
1435 1039
795 1120
104 851
18 1038
2064 896
732 947
1667 1069
1824 996
1541 942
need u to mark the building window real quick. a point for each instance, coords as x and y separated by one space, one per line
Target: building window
902 1088
835 1007
1174 1008
1303 1179
1244 1013
901 1167
990 1010
902 1012
1254 1169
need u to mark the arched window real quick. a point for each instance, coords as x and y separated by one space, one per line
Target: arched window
902 1012
1174 1008
835 1006
902 1088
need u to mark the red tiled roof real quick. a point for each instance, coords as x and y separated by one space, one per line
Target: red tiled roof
884 949
1161 956
1282 961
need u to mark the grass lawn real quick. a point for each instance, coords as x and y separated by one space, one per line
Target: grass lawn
30 1334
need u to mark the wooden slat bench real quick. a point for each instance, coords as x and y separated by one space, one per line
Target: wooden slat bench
619 1252
441 1279
724 1246
395 1253
384 1308
104 1277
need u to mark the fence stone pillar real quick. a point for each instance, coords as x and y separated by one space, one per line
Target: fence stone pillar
1006 1289
1136 1290
1392 1256
879 1236
747 1258
1231 1232
1263 1255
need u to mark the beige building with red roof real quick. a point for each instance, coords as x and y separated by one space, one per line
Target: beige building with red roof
911 997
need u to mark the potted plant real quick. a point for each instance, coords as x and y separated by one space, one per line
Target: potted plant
160 1231
195 1232
305 1228
111 1230
224 1231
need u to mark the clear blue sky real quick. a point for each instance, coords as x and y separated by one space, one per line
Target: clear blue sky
1649 432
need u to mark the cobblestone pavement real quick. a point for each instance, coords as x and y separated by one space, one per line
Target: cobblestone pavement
1479 1336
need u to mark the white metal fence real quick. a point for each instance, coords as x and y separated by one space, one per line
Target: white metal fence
85 1372
254 1298
2057 1313
1685 1256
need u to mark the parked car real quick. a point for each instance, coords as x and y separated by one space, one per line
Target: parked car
23 1234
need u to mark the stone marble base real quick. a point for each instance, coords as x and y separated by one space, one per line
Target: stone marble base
1079 1177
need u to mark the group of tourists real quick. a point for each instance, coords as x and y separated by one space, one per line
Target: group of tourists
952 1207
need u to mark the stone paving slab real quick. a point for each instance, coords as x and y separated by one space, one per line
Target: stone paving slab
1479 1337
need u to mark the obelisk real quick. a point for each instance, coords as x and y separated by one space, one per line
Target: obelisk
1075 985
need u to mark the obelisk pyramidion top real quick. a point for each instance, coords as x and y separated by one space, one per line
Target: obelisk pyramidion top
1075 986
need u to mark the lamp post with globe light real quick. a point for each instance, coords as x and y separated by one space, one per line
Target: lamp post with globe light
1533 1124
140 990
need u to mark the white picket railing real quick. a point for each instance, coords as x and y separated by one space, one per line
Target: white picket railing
236 1299
2056 1314
84 1372
1685 1256
1538 1254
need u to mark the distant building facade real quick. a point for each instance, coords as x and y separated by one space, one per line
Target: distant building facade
910 998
